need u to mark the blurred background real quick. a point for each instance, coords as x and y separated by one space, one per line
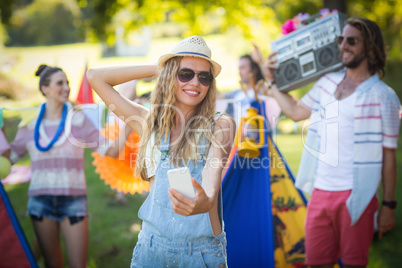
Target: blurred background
75 34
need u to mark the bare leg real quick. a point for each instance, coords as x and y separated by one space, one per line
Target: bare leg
76 238
47 232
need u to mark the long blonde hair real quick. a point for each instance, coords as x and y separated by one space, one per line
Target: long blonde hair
162 118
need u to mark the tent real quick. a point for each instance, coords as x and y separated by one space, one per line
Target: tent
85 93
263 211
14 248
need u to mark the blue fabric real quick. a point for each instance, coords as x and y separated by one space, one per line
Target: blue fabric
247 210
154 251
176 232
57 207
157 213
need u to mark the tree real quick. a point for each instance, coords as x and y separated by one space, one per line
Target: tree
339 5
254 19
388 16
45 22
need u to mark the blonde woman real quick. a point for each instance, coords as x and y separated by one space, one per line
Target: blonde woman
181 129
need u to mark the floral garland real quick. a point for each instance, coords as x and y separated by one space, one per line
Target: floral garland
301 20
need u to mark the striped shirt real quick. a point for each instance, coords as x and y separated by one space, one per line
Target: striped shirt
59 171
376 125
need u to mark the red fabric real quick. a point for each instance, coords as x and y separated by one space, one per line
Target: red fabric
85 93
329 233
11 252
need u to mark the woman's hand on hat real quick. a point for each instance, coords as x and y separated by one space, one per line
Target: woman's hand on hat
185 206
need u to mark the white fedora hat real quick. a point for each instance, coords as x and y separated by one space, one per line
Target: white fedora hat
193 46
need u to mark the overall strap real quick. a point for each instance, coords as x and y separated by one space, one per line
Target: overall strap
165 143
216 117
201 151
220 206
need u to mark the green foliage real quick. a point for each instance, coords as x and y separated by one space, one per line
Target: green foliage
387 14
199 17
46 22
392 76
3 35
257 20
287 9
8 87
6 10
99 15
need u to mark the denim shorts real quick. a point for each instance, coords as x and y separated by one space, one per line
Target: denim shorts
58 207
153 251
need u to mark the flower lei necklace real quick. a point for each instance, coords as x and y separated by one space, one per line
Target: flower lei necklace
40 130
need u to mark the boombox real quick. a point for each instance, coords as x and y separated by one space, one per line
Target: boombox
309 52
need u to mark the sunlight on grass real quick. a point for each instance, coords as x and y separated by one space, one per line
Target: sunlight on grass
290 146
135 228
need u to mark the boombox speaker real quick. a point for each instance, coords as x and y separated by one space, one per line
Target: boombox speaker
308 53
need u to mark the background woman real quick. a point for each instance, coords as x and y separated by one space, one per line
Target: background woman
56 140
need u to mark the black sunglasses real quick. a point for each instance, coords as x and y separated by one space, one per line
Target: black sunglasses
351 40
186 75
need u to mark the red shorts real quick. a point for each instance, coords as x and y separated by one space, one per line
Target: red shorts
328 231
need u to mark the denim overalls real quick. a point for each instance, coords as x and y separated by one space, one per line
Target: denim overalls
168 239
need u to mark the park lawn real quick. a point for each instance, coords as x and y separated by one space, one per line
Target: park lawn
114 226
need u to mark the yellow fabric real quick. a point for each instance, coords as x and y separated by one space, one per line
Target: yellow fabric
288 213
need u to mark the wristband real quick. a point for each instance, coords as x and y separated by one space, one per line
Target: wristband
390 204
270 84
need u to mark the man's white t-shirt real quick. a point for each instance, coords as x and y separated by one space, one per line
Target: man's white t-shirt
335 165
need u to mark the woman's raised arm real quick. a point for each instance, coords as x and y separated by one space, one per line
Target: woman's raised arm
103 80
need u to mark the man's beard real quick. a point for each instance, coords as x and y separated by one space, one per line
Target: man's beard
355 62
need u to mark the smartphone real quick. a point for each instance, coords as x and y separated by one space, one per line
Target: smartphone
180 180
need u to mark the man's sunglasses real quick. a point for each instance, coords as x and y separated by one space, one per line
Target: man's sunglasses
186 75
351 40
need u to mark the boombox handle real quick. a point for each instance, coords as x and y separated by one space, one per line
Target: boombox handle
311 19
